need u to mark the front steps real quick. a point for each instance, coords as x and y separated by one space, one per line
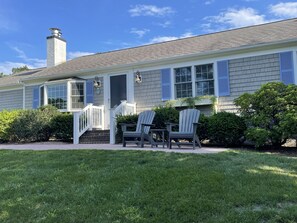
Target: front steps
95 137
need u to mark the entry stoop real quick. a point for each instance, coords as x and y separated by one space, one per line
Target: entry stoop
95 137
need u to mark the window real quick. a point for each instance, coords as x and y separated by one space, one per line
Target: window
77 95
183 82
57 95
204 80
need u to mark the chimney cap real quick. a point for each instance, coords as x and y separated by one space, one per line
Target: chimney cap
56 32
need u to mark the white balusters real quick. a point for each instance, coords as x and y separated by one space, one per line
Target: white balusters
87 119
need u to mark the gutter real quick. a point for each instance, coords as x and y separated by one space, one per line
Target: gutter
224 52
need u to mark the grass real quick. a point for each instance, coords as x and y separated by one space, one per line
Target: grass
133 186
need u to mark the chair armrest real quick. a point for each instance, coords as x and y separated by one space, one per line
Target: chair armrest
170 125
125 125
144 124
147 124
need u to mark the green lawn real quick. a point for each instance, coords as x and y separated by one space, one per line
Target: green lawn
133 186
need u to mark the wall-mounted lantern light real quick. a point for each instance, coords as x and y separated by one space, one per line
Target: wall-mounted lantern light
138 78
97 85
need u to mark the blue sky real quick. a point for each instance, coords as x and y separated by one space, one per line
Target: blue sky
92 26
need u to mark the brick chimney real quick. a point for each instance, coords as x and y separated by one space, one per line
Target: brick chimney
56 48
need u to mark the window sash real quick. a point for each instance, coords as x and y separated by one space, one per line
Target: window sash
77 95
57 95
204 80
183 82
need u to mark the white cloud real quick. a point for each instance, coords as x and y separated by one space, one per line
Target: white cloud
284 9
209 2
233 18
150 10
169 38
164 24
72 55
186 35
162 39
139 32
7 66
30 62
6 24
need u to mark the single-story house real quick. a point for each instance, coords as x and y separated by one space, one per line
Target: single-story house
97 87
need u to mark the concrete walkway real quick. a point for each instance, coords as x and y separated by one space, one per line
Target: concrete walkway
67 146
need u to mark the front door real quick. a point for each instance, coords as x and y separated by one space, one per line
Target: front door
118 90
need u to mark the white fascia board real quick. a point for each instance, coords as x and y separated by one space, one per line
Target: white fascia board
13 88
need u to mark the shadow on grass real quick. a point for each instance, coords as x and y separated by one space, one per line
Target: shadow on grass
138 186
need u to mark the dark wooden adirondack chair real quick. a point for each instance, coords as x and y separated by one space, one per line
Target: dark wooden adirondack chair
188 122
145 120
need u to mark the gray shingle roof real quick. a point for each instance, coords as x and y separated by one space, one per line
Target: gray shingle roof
249 36
11 80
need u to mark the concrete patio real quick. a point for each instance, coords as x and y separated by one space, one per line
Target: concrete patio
68 146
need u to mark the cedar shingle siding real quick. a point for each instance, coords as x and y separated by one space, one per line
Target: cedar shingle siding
29 97
148 93
99 98
248 74
11 99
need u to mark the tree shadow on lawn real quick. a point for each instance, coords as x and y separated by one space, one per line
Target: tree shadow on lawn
139 186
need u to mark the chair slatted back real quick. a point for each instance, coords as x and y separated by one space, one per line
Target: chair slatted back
186 119
145 117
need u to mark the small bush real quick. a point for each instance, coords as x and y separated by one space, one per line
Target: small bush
131 119
62 126
6 118
272 111
226 129
27 127
33 125
202 129
165 115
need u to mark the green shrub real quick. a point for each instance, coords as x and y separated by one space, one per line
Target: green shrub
62 126
26 127
271 110
166 114
33 125
202 129
6 118
130 119
226 129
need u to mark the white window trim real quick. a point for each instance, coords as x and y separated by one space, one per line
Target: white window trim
213 79
68 92
174 80
69 98
193 77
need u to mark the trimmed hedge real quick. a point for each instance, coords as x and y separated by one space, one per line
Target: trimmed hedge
62 127
226 129
6 118
35 125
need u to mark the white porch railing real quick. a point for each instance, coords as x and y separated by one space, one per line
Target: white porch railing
123 109
90 117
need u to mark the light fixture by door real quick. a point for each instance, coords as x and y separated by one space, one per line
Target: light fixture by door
97 85
138 78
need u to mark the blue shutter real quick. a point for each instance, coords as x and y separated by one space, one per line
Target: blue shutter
166 84
286 67
223 78
90 91
35 97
